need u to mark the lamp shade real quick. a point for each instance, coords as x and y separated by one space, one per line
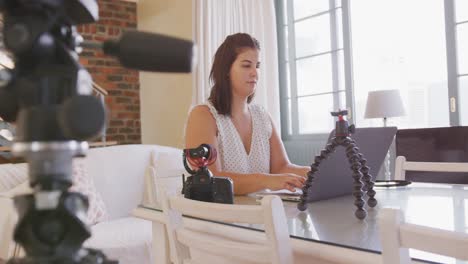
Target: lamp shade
384 103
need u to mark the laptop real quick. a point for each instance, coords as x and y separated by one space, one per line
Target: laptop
334 177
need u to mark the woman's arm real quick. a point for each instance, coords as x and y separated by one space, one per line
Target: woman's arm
279 161
249 183
201 129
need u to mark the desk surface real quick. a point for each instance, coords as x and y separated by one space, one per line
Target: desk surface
332 221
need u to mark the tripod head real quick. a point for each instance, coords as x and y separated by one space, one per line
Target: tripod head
340 113
48 95
342 128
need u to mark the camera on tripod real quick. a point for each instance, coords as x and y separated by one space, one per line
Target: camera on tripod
202 185
49 95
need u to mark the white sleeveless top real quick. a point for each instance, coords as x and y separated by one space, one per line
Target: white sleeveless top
231 150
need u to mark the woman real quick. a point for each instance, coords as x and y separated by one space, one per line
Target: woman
250 150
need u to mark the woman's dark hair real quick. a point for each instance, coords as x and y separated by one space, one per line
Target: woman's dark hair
221 92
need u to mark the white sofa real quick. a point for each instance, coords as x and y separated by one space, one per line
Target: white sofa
119 176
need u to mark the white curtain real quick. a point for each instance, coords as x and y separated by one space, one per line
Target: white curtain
213 21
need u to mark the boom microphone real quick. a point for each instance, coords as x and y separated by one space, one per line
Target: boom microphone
151 52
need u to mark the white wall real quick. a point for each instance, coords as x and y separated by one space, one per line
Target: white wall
165 98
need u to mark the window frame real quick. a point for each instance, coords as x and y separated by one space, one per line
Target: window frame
293 117
453 74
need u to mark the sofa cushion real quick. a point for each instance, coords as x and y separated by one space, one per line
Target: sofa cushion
11 175
119 173
167 160
20 189
128 240
84 184
15 177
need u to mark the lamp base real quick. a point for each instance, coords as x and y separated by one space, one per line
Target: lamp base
391 183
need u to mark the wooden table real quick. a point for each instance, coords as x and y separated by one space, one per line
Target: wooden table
9 159
328 230
91 144
5 149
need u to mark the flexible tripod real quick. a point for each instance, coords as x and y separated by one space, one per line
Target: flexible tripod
358 166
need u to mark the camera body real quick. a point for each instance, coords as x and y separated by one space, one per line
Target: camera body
202 185
209 189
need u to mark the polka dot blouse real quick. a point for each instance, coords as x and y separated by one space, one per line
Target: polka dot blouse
231 151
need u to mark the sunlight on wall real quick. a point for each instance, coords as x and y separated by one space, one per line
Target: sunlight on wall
165 98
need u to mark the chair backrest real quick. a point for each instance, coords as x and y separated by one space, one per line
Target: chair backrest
276 248
396 237
401 166
439 144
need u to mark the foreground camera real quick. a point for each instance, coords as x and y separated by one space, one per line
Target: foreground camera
49 96
202 185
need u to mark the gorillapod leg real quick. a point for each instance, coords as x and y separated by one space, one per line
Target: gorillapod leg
368 183
329 148
366 178
362 179
352 153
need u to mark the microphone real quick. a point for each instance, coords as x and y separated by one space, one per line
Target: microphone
150 52
8 105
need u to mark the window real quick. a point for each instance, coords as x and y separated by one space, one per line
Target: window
333 52
400 45
461 33
312 62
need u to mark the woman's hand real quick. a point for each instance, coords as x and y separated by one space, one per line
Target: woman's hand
287 181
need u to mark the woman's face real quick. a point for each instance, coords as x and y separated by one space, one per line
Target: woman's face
244 73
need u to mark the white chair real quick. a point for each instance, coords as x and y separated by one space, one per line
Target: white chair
192 245
401 166
396 237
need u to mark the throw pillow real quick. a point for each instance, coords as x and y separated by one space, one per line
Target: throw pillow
20 189
83 183
11 175
14 181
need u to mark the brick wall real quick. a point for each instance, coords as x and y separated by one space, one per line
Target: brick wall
123 86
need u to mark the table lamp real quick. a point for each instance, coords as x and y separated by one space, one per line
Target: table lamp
384 104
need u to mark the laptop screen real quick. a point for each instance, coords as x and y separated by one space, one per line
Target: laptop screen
334 177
